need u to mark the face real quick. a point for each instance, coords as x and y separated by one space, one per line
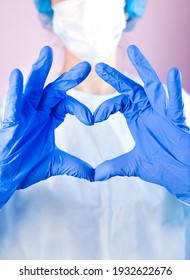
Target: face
95 37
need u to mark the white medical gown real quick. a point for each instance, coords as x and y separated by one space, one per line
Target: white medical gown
69 218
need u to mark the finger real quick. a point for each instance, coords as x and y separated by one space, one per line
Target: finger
64 163
79 72
175 103
55 91
37 77
152 84
81 112
118 81
73 107
61 163
111 106
13 103
124 165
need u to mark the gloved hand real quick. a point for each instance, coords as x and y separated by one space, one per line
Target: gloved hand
28 153
157 123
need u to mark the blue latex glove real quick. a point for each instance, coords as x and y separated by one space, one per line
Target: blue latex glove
157 123
28 153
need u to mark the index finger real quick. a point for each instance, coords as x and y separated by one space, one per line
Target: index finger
117 80
56 91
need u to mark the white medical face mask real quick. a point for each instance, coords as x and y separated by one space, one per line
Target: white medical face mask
90 29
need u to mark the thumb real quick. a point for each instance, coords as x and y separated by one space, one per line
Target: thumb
66 164
124 165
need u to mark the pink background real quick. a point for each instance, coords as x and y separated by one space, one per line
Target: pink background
162 35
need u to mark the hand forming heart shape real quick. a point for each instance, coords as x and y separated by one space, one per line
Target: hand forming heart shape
28 153
157 123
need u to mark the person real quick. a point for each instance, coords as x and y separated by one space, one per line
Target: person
69 218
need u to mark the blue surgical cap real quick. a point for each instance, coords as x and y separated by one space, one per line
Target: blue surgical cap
134 9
